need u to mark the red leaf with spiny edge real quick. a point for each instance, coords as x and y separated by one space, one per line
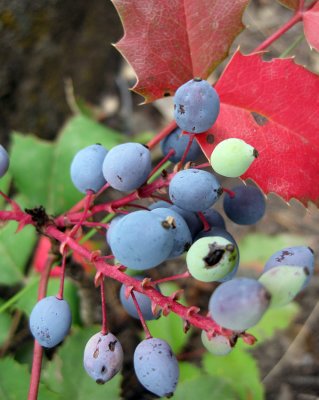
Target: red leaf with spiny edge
170 42
311 26
273 106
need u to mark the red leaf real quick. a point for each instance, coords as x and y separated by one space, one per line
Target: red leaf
311 26
274 107
170 42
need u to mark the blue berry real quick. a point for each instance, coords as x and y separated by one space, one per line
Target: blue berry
247 206
196 106
103 357
191 218
239 304
127 166
4 161
50 321
86 168
159 204
182 236
194 190
178 141
214 218
156 367
141 240
112 224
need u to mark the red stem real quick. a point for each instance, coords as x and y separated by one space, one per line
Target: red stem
163 161
144 192
172 278
104 330
297 17
205 165
37 349
162 134
230 193
138 309
62 277
189 144
87 201
204 222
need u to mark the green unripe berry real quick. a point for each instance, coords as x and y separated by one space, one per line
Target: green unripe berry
232 157
284 283
218 345
211 258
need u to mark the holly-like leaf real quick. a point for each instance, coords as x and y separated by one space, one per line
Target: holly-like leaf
15 250
273 106
205 387
241 371
14 382
311 26
170 42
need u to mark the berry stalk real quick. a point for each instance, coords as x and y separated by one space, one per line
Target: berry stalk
38 349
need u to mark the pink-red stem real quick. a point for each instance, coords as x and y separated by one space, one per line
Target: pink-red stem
297 17
189 144
172 278
37 349
142 319
163 161
230 193
204 222
62 277
104 329
161 135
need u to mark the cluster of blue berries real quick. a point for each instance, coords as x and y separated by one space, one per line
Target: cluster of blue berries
183 222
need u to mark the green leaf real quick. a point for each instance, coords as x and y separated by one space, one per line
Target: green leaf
273 320
41 170
65 373
188 371
15 250
240 369
14 382
205 387
5 324
31 164
4 187
170 328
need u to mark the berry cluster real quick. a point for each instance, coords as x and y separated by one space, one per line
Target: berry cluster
182 222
